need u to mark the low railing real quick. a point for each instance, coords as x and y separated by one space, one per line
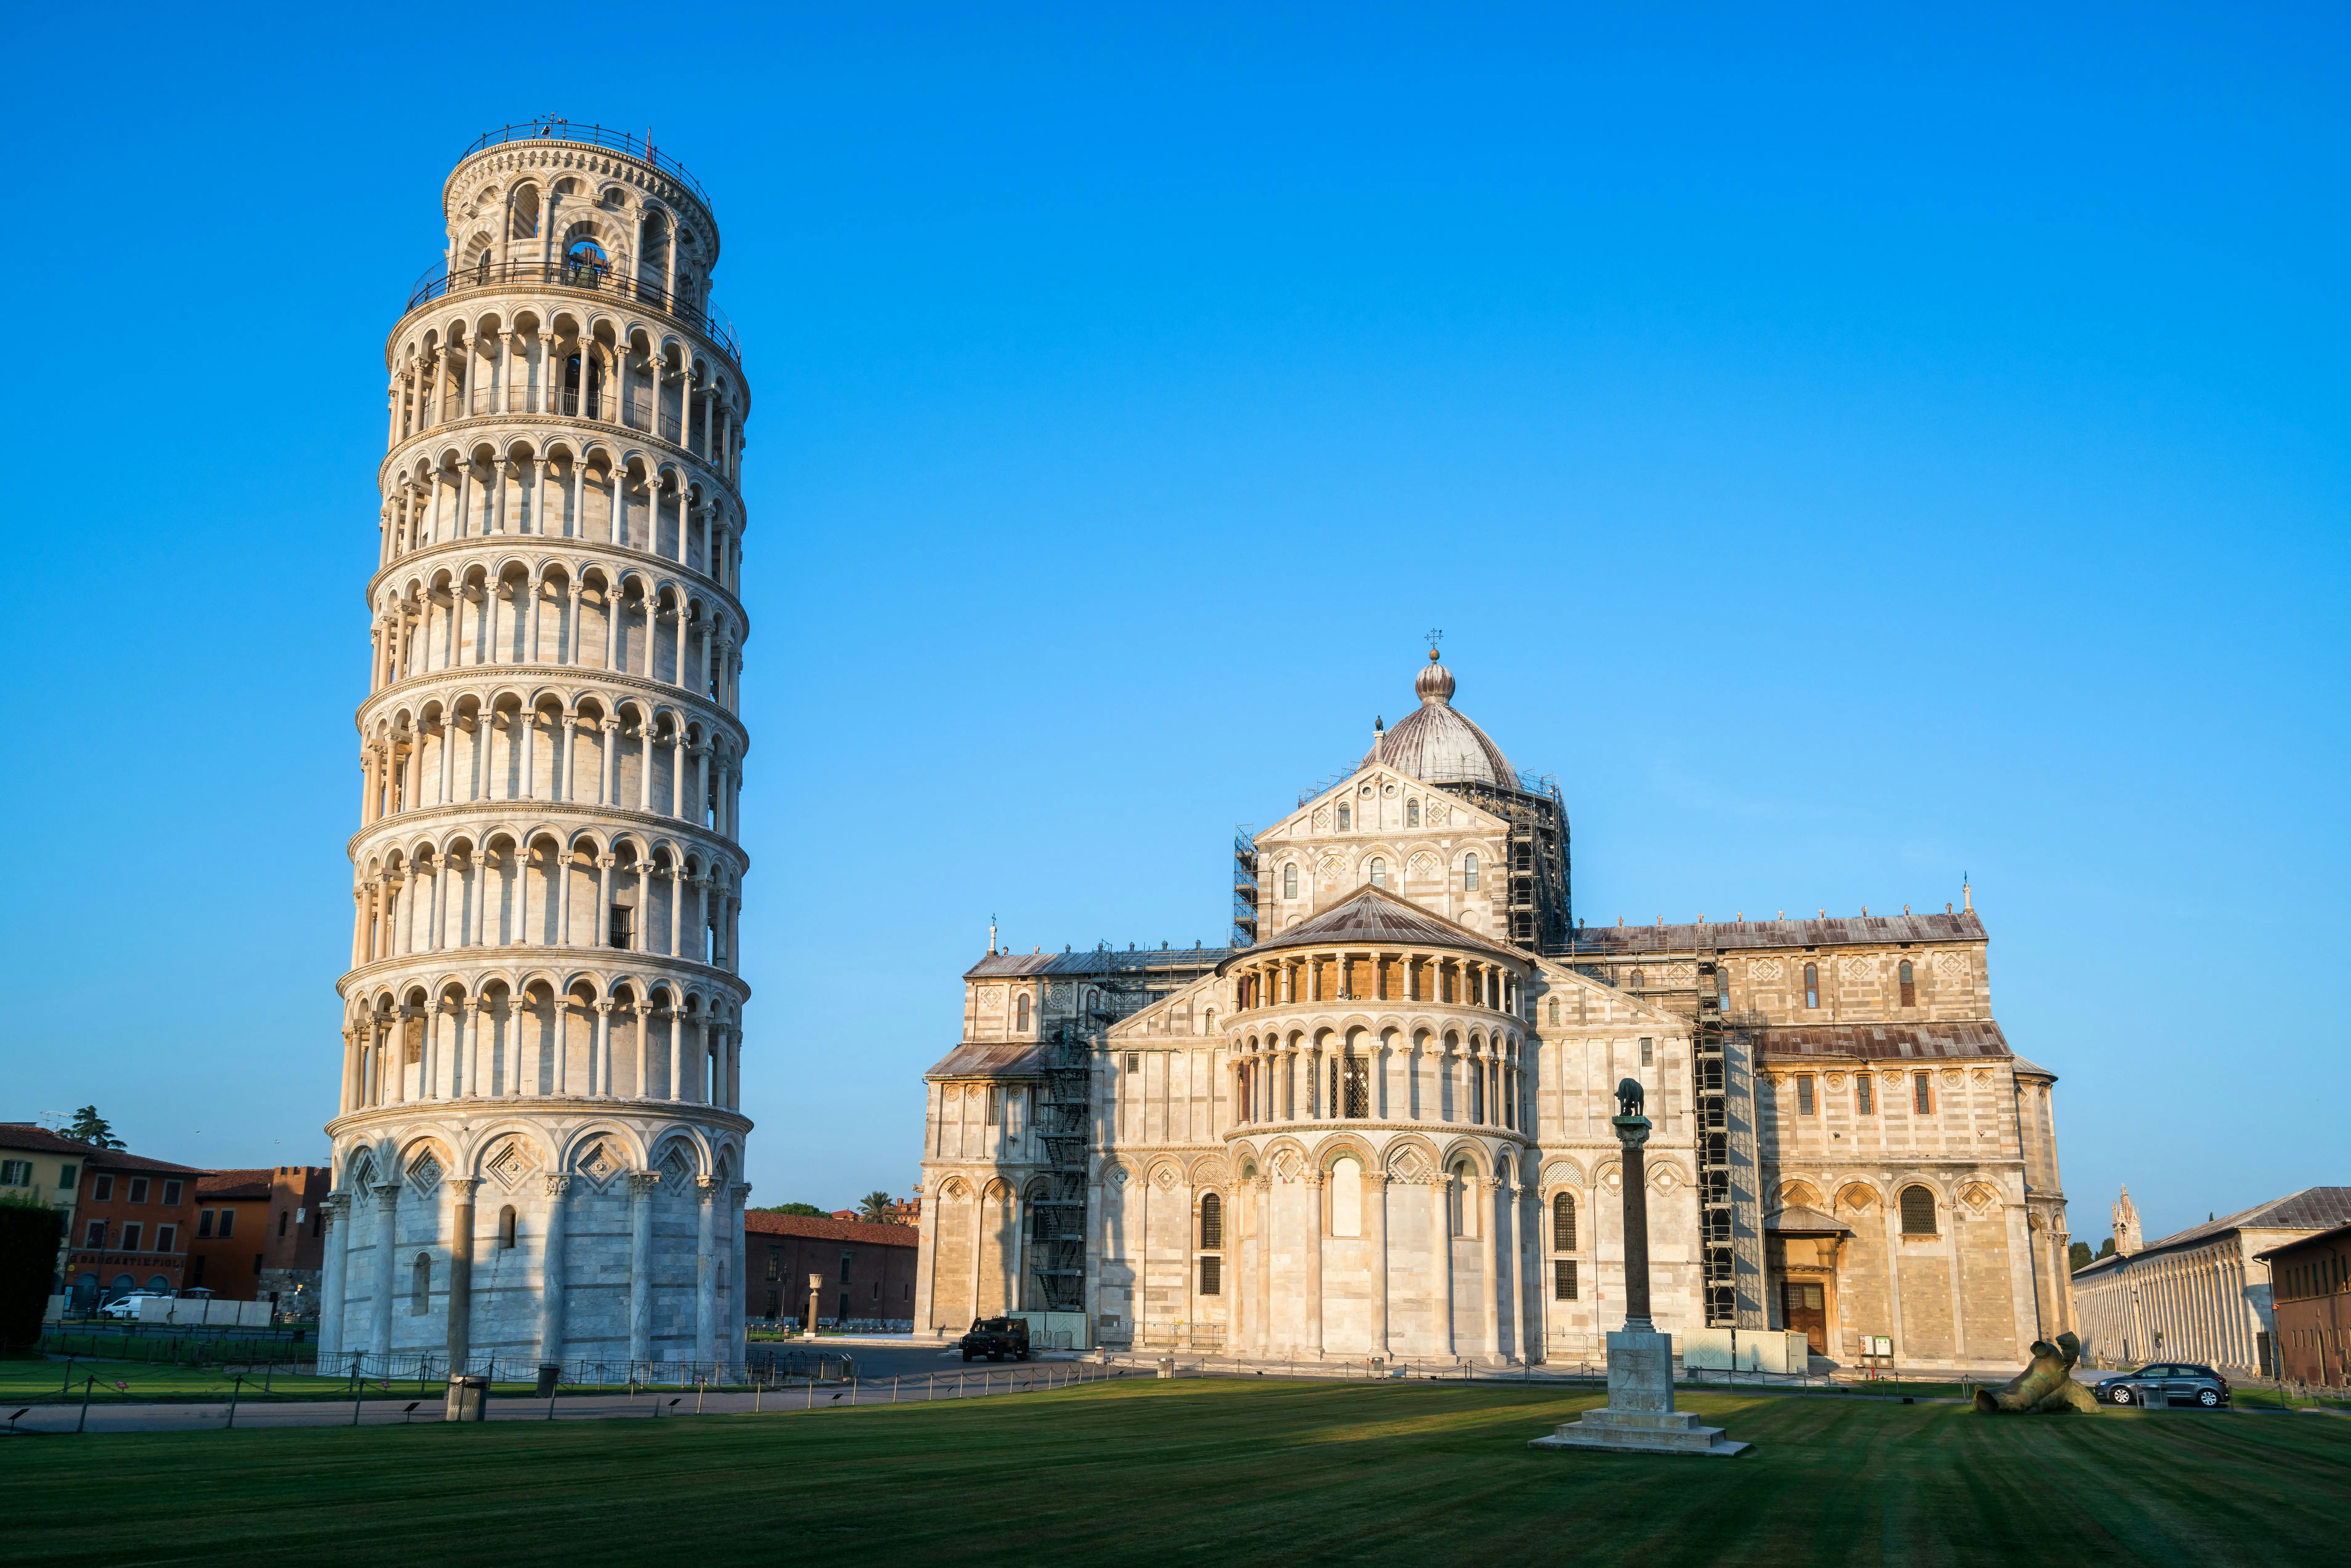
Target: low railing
620 141
588 277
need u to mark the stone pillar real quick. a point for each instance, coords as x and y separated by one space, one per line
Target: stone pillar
1262 1307
642 1185
1315 1183
1504 1264
387 1243
1489 1333
705 1268
737 1305
1441 1219
461 1269
1376 1237
337 1237
550 1272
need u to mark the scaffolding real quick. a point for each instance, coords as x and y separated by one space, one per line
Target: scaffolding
1722 1045
1062 1117
1244 888
1537 897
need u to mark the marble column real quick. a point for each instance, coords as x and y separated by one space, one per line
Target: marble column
1501 1208
738 1296
336 1229
461 1269
1261 1305
1317 1185
387 1243
1375 1237
706 1268
1441 1219
643 1185
550 1271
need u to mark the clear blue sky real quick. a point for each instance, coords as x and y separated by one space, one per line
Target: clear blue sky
1847 451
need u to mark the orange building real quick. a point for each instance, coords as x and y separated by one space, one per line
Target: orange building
133 1224
259 1235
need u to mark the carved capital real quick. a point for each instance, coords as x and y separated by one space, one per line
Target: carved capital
643 1184
462 1188
557 1183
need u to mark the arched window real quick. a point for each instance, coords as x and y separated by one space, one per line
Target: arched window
1457 1201
1358 1086
506 1226
420 1285
1469 873
1812 984
1412 813
1346 818
1212 1223
1020 1014
1563 1223
1922 1093
1918 1211
1909 985
1289 881
1346 1197
1379 872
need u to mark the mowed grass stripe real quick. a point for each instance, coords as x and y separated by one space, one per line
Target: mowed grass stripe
1190 1471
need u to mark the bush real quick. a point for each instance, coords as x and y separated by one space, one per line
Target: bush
30 1232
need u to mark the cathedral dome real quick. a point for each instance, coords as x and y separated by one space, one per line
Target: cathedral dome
1436 744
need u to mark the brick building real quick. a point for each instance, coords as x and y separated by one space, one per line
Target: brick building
133 1220
259 1234
869 1269
2310 1294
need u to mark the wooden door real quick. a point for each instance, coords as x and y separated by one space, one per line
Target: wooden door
1807 1311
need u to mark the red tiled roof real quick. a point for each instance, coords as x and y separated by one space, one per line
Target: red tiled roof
1372 917
1923 1041
40 1140
1741 935
235 1183
757 1222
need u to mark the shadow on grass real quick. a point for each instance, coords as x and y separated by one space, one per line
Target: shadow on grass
1200 1471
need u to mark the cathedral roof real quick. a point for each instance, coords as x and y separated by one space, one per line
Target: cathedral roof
1887 1041
1376 917
2312 1209
1437 744
1176 962
1797 1220
1022 1059
1731 936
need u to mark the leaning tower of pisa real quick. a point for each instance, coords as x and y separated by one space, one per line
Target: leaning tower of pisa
538 1153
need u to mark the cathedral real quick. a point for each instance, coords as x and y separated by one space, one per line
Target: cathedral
1376 1124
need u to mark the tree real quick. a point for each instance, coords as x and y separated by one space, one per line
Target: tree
874 1207
93 1129
2078 1257
810 1210
29 1233
2107 1249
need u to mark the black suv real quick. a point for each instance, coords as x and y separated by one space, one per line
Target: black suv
996 1338
2166 1383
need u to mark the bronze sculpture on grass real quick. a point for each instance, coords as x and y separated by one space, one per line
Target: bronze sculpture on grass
2047 1386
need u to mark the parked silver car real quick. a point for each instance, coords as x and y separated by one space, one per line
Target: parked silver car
2163 1383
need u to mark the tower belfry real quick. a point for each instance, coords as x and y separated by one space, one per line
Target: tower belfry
538 1152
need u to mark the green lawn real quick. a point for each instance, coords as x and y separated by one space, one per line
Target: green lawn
27 1382
1210 1471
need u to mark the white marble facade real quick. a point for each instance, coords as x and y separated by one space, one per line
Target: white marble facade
540 1145
1383 1129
